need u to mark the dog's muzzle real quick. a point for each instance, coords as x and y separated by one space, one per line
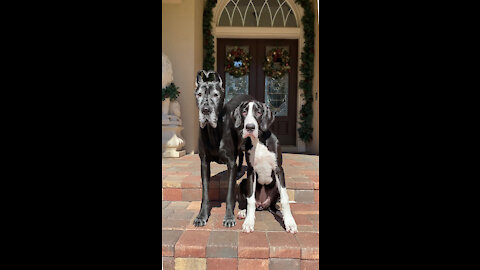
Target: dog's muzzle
207 117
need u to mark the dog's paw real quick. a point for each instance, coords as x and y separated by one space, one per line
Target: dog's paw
248 225
242 214
200 221
229 221
290 225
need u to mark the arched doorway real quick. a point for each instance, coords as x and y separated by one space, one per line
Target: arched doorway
260 26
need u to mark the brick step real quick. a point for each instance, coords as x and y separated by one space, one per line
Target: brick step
213 246
195 194
183 186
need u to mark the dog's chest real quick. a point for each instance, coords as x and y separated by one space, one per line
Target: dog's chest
263 162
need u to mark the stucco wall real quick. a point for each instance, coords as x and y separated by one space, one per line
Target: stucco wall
182 43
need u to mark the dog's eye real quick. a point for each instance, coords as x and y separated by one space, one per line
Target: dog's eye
259 113
244 113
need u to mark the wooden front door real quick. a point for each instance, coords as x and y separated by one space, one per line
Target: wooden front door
280 94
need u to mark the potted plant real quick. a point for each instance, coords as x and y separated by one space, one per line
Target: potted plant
168 93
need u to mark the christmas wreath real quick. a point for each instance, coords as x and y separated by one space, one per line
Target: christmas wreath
276 64
237 62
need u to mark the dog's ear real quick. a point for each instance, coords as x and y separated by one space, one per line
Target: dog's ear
200 79
237 115
267 118
219 80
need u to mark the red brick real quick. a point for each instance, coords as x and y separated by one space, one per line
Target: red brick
252 264
283 245
222 263
302 220
191 194
219 223
304 184
290 184
315 224
304 207
253 245
192 244
309 265
222 244
192 182
216 208
208 227
172 194
284 264
316 194
169 239
309 243
174 224
310 172
168 263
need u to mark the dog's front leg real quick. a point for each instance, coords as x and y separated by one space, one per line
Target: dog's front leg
249 223
229 219
202 217
288 219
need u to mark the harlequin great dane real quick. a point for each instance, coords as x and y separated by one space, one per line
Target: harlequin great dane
265 177
218 141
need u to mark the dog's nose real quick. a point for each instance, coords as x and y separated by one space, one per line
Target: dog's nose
250 127
206 111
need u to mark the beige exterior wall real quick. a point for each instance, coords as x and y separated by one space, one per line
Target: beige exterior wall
182 42
313 146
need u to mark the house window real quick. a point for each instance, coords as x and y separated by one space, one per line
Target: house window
258 13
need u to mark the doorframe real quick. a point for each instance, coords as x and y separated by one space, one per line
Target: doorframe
267 33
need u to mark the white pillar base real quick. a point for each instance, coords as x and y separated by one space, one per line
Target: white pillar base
172 141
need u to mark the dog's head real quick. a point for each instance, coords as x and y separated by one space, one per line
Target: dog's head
210 96
253 117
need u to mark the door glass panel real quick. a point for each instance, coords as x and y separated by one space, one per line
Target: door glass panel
235 85
276 90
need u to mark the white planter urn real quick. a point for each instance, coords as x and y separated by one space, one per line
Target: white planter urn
172 141
165 106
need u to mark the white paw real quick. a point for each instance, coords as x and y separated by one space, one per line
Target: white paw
290 225
248 225
242 214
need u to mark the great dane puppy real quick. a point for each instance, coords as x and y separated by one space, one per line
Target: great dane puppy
264 159
218 141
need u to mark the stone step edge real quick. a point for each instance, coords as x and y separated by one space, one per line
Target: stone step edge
169 185
183 263
195 194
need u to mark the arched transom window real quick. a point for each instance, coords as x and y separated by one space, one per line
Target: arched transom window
258 13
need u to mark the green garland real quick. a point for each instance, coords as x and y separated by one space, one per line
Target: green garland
170 92
306 113
208 59
306 68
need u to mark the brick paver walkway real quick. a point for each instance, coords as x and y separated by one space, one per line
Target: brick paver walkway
213 246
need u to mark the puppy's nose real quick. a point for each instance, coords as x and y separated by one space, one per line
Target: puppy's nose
250 127
206 111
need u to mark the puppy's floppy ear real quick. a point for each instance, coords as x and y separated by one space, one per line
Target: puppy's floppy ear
199 79
237 115
267 118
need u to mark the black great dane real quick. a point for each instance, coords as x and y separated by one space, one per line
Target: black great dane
218 141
